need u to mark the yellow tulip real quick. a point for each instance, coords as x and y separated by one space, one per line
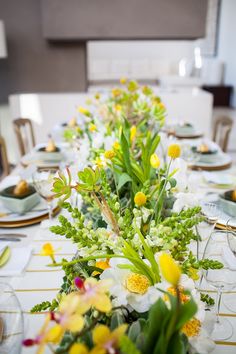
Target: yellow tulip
84 111
133 132
140 199
92 127
78 348
174 151
170 269
155 161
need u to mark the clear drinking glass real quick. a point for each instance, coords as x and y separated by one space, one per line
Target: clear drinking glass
43 183
11 321
223 280
230 298
204 229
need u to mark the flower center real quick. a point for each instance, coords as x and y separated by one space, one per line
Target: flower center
183 298
192 328
137 283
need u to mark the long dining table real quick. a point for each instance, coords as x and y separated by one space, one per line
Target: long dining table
41 283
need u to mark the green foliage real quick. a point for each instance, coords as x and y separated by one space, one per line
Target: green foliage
127 346
207 299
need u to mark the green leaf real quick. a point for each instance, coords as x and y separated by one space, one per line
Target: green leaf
123 179
127 346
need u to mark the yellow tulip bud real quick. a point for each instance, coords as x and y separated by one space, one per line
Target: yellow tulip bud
84 111
133 132
155 161
170 269
174 151
140 199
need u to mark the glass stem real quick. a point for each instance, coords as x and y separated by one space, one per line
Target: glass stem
50 210
218 302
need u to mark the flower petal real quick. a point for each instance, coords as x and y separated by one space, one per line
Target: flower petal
75 323
101 334
78 348
102 303
54 334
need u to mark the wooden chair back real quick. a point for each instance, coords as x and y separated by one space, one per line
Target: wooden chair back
222 128
4 164
25 134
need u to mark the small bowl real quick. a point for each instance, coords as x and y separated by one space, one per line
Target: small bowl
227 204
44 155
19 204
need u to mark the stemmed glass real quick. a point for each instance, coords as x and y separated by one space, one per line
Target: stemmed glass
204 229
223 279
229 299
43 182
11 321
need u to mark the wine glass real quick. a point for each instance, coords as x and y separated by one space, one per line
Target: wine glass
223 279
43 180
11 321
229 298
204 229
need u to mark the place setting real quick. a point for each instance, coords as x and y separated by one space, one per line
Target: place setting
24 204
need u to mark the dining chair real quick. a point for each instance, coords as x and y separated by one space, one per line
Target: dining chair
25 134
222 128
4 164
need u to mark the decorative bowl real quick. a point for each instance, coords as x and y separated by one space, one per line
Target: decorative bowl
19 204
44 155
227 204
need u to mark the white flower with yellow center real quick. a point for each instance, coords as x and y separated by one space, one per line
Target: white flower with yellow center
130 289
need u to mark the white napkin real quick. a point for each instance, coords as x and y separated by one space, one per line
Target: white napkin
18 261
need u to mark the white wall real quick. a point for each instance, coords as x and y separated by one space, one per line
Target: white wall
227 42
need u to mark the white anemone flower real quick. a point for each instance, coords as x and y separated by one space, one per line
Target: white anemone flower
130 289
185 201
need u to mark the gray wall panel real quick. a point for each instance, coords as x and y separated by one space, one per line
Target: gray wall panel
33 64
124 19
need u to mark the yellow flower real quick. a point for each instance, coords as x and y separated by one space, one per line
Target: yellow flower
192 328
170 269
133 132
123 80
109 154
116 145
97 96
137 283
92 127
132 86
68 318
78 348
84 111
102 265
99 162
183 297
118 107
174 151
140 199
106 341
155 161
94 294
116 92
48 250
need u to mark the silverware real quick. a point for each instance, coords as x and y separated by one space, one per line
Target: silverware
10 239
5 235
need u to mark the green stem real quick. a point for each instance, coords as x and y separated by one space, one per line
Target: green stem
159 202
86 259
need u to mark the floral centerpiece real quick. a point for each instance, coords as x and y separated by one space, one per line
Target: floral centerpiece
130 287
